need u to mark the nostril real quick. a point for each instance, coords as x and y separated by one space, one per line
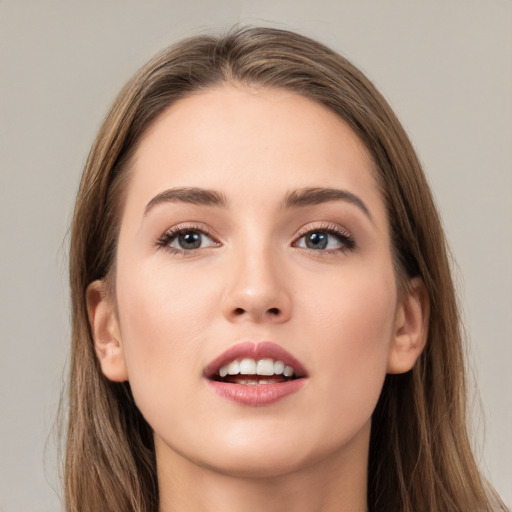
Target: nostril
274 311
239 311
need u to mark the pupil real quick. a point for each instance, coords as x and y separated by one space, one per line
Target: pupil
317 241
190 240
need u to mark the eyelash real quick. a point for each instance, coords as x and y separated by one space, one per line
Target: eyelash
165 240
344 237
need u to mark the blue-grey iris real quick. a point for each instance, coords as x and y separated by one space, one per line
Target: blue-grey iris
317 240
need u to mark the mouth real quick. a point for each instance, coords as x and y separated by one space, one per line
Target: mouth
255 374
250 372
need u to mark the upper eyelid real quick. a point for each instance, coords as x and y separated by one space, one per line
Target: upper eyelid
183 227
327 226
344 235
172 232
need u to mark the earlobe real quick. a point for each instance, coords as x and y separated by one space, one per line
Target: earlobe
105 332
411 328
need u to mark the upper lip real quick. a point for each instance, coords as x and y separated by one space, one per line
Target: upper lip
250 349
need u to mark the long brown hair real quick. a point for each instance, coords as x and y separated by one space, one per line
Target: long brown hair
420 455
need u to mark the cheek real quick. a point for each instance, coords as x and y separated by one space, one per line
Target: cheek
357 304
163 316
352 324
155 299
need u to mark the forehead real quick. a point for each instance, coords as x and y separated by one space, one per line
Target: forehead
244 140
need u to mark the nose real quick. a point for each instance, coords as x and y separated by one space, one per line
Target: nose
258 290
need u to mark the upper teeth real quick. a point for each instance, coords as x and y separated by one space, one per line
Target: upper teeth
248 366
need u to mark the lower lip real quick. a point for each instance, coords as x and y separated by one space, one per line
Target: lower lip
257 395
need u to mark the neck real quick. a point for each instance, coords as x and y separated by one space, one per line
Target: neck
337 483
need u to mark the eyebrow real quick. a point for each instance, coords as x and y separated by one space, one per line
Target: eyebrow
317 195
191 195
295 199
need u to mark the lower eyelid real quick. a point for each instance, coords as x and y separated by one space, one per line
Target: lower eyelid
342 235
342 242
173 233
205 239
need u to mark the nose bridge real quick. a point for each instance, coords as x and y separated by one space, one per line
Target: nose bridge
257 288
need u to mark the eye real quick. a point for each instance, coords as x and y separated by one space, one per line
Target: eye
326 239
186 239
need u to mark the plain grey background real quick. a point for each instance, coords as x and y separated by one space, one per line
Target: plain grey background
445 67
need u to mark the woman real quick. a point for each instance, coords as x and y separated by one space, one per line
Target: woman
263 312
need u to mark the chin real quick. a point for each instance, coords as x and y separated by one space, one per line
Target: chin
259 465
272 456
264 457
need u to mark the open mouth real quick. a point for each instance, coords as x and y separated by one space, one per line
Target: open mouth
255 374
251 372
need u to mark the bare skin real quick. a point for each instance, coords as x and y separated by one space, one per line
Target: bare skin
306 490
256 254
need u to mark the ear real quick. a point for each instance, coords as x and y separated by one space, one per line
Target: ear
411 327
105 332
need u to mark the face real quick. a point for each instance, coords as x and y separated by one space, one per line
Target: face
256 308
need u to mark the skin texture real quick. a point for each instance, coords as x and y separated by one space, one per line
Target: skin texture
254 278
